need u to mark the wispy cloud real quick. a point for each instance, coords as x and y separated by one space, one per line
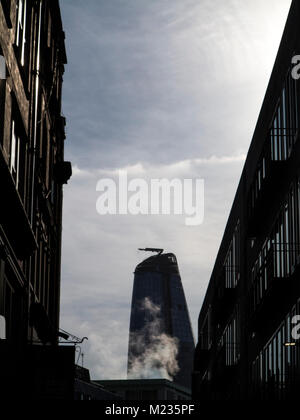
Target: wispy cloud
162 88
148 169
100 252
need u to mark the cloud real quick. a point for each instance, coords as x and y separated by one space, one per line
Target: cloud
149 170
161 81
80 173
161 88
105 352
100 252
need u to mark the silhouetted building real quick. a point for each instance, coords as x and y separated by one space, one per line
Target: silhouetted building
87 390
146 389
245 348
32 174
157 283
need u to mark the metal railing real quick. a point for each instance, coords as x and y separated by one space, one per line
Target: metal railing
280 262
282 142
229 354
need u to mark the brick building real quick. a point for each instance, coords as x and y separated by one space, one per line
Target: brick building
32 173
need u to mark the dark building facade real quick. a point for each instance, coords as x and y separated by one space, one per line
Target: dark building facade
146 390
158 279
87 390
246 349
32 172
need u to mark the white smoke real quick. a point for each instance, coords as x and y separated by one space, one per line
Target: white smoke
156 352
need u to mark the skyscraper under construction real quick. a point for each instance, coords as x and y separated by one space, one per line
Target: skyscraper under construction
157 283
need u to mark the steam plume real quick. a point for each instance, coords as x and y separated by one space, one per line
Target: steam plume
153 353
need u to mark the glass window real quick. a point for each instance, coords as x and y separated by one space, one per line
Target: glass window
274 356
14 154
2 328
2 67
285 123
21 29
270 361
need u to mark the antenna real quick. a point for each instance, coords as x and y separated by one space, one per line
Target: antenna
158 250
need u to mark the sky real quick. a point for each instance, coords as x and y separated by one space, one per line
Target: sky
162 89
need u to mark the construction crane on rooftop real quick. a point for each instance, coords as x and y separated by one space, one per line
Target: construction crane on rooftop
158 250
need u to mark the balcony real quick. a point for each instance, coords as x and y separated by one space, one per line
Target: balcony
276 278
226 295
283 142
13 217
201 359
264 195
227 361
282 387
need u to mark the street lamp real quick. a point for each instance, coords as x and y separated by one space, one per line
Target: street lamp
293 344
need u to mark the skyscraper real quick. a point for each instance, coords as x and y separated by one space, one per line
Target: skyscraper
160 321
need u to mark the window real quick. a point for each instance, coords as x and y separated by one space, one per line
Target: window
285 124
257 185
18 149
2 93
280 254
21 29
283 134
232 261
230 340
205 332
13 311
2 328
15 154
2 67
277 363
